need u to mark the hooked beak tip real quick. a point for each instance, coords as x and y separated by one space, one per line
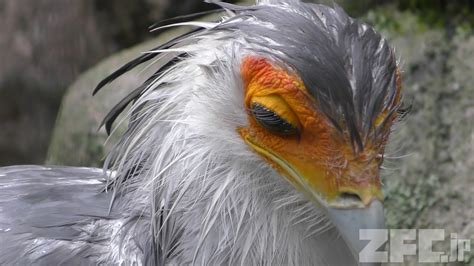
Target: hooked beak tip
349 222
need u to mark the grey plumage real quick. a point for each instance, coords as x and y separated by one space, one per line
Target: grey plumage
185 188
61 215
50 205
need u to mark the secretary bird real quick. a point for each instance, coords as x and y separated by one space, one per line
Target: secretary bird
258 141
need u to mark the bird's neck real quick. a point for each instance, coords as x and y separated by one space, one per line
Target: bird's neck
206 196
213 209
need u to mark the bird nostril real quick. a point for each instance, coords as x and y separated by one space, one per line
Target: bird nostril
348 199
349 196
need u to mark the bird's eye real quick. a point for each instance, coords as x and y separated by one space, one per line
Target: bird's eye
272 121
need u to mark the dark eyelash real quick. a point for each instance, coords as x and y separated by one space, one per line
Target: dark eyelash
403 111
272 122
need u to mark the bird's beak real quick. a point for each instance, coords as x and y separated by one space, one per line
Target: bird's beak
349 222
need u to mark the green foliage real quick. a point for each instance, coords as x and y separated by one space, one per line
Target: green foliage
456 16
440 12
406 199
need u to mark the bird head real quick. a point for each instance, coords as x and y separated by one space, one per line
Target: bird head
316 94
288 129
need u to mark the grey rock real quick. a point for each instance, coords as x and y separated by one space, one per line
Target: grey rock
77 140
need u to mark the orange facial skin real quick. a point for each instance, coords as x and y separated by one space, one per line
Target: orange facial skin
319 160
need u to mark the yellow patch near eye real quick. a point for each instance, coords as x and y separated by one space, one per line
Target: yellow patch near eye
380 118
278 106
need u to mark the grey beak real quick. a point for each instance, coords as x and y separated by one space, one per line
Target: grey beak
349 221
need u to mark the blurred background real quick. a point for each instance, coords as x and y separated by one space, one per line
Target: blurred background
53 53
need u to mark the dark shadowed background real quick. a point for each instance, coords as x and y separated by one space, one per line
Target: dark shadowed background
53 53
46 44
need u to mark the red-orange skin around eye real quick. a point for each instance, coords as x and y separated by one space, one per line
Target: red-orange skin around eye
320 154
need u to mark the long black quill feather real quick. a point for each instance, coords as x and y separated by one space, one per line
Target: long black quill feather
142 59
110 118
